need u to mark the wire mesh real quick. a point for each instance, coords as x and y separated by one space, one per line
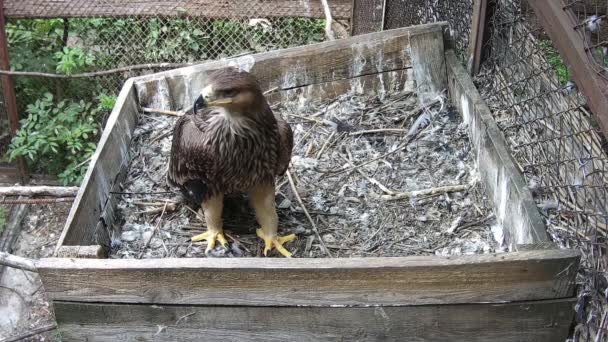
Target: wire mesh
556 142
110 34
457 13
591 18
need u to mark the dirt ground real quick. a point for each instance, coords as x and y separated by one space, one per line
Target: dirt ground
23 304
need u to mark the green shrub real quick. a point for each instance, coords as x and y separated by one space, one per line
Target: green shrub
61 136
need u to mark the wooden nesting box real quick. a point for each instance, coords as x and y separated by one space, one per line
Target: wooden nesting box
524 295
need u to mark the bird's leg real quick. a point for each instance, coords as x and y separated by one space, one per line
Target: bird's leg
262 201
212 208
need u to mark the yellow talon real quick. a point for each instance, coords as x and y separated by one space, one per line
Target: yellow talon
276 242
211 236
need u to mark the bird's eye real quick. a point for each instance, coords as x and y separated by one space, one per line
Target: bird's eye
229 93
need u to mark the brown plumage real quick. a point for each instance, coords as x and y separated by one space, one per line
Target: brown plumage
231 142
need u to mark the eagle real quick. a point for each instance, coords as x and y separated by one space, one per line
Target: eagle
231 142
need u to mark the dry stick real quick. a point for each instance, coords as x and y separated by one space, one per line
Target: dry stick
161 111
17 262
96 73
319 121
30 333
371 180
320 153
271 90
312 222
58 191
37 200
160 220
379 130
328 21
425 192
398 149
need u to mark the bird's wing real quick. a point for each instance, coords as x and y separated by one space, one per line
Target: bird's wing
191 164
285 145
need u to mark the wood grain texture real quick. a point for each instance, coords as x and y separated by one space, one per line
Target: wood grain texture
368 85
367 16
514 206
291 68
530 275
341 9
428 62
532 321
84 225
478 35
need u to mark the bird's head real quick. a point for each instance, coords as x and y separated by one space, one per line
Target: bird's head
236 91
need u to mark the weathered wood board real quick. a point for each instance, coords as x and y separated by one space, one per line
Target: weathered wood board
514 206
529 321
497 278
88 221
308 65
340 9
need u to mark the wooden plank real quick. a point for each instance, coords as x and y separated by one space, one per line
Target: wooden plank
376 84
530 275
367 16
340 9
292 68
110 158
559 25
515 208
529 321
478 35
428 61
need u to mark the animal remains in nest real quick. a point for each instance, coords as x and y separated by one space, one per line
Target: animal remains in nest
370 175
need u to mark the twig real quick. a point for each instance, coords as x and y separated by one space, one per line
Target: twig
312 222
320 153
15 292
166 134
169 208
58 191
380 130
271 90
369 179
37 200
30 333
184 317
160 220
319 121
355 167
328 21
17 262
161 111
425 192
96 73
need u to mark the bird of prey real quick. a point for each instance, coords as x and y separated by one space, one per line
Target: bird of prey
231 142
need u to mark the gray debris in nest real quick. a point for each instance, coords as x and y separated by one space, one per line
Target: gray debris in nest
348 153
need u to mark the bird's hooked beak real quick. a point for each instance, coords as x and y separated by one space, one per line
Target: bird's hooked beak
210 97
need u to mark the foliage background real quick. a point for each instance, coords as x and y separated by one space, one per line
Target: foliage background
62 119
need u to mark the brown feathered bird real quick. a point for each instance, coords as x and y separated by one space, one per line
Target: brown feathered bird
231 142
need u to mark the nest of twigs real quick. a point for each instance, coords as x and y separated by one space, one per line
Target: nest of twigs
370 176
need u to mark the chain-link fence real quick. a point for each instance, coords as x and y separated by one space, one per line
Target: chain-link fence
457 13
591 18
74 37
557 144
552 134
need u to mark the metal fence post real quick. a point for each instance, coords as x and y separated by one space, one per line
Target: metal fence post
8 89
